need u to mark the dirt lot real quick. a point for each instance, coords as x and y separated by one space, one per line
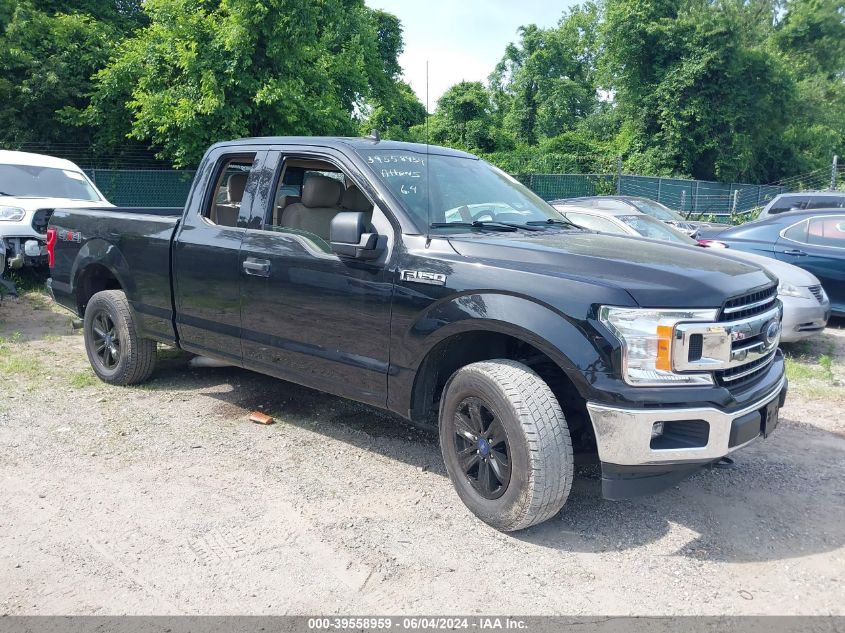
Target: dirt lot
164 499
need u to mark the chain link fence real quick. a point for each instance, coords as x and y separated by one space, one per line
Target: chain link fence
143 187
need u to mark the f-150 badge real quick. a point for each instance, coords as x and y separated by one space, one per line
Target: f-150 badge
423 277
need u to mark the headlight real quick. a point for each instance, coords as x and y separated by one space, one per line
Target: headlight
788 290
647 337
11 214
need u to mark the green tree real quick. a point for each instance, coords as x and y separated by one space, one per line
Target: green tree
545 83
206 70
395 114
811 36
706 92
47 57
463 118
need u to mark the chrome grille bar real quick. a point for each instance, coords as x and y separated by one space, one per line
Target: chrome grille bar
749 306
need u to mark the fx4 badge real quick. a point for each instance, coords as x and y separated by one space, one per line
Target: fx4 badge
423 277
69 236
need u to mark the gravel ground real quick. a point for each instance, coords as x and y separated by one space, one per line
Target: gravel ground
163 499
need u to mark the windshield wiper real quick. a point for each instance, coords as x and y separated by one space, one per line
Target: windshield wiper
478 224
553 221
3 193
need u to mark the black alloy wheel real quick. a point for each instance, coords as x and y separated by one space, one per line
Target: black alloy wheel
107 345
482 447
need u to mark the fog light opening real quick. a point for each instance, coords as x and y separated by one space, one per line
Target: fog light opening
657 430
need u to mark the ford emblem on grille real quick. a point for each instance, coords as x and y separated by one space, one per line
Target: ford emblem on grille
770 333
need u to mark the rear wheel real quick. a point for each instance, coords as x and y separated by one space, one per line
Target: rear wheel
506 444
116 353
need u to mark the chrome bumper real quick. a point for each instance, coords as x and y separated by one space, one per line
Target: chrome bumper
623 436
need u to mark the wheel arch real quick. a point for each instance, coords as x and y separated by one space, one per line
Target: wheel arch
98 267
489 340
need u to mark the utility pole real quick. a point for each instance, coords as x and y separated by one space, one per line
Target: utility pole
833 169
619 175
733 204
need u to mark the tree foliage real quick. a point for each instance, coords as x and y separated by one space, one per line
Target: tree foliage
203 71
716 89
47 57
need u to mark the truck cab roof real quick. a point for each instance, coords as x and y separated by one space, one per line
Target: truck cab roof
355 143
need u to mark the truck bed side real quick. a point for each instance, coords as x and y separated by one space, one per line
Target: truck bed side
120 247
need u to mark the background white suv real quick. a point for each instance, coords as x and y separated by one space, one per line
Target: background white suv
31 186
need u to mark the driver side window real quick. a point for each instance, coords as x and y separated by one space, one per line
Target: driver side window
308 196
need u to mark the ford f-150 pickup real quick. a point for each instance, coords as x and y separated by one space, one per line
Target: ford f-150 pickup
427 282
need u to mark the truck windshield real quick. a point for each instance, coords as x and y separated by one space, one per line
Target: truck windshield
29 181
449 194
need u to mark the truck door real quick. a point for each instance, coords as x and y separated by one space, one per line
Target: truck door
206 268
308 315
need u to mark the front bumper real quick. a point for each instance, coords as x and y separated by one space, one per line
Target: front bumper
634 463
803 318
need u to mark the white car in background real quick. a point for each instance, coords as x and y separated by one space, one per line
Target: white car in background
31 186
806 307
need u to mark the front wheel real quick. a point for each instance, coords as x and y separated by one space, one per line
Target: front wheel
506 444
116 353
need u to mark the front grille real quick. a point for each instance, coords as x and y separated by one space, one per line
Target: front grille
749 305
745 374
41 219
817 293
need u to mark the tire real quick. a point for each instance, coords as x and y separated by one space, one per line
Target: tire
535 456
121 357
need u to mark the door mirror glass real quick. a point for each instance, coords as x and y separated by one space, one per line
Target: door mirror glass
349 238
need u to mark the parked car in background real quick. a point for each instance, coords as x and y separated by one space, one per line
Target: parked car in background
806 307
813 240
31 187
803 201
6 286
637 203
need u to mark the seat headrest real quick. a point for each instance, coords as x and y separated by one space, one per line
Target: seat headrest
321 191
235 187
354 200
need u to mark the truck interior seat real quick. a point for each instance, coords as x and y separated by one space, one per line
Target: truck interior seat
320 203
226 214
283 202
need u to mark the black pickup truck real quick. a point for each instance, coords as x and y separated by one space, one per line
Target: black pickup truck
425 281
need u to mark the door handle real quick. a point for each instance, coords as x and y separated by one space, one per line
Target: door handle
795 252
257 267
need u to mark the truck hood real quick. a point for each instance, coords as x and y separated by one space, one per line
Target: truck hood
31 204
655 274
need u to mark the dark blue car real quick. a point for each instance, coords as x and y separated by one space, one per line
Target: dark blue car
812 239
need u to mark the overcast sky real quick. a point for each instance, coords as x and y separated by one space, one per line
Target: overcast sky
461 39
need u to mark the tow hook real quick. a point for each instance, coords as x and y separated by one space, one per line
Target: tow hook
724 463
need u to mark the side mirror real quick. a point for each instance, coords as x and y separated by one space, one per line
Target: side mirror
348 239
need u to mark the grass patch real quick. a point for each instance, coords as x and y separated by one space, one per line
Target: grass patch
810 366
19 365
82 379
29 281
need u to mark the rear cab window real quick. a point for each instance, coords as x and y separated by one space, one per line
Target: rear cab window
223 208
